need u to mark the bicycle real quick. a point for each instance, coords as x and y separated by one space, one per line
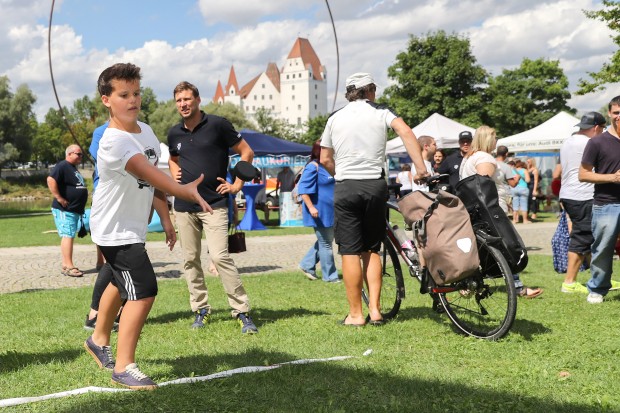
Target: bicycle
483 305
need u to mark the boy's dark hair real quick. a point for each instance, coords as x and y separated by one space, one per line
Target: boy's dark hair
118 71
354 94
185 86
614 101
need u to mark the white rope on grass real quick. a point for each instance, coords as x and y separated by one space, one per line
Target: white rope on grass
227 373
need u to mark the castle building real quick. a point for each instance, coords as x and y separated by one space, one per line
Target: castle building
295 93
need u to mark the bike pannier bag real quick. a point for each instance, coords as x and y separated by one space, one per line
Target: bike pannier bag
443 234
479 194
236 241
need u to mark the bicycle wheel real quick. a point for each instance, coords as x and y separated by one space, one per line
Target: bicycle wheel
393 285
485 305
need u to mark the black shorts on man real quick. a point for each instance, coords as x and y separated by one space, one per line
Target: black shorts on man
580 214
132 269
359 215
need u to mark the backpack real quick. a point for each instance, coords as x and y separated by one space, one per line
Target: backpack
295 192
444 234
479 194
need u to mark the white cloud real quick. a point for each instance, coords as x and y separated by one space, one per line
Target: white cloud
370 34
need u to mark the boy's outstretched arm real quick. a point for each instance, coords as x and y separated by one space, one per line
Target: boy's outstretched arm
139 167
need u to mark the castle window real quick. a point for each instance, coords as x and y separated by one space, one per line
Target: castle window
292 87
293 97
263 85
298 121
298 107
255 97
315 87
262 97
273 107
287 76
315 108
270 97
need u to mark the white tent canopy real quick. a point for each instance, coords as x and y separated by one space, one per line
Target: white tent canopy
548 136
444 130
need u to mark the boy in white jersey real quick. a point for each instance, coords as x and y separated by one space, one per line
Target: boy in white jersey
130 184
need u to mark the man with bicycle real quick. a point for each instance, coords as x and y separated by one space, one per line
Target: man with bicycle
353 150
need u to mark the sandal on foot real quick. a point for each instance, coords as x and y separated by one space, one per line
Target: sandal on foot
72 272
375 323
344 323
530 292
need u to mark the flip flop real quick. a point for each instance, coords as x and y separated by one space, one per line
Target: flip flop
533 292
72 272
375 323
342 323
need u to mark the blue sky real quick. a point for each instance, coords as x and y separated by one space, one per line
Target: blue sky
198 40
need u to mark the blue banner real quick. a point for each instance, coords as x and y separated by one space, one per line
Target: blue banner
274 161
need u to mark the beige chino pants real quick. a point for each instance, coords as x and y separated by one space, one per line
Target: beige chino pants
190 226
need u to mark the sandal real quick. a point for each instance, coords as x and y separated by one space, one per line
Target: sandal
530 292
72 272
344 323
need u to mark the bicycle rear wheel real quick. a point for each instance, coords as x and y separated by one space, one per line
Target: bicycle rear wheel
392 285
485 305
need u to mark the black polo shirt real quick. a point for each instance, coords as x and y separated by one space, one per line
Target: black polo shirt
451 166
203 151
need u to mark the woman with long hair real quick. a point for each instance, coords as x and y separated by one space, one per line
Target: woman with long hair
533 187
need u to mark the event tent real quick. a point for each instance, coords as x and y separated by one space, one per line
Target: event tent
272 152
548 136
444 130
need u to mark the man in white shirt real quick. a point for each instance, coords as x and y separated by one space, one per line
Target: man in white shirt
353 151
429 147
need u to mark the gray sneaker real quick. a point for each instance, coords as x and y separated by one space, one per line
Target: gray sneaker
101 354
133 378
247 325
202 318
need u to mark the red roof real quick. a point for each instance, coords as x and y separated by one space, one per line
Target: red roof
219 93
232 80
303 49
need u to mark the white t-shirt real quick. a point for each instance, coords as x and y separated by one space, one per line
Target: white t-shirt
405 179
424 187
357 133
122 203
570 159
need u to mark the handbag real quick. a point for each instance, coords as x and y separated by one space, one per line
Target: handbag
82 232
236 240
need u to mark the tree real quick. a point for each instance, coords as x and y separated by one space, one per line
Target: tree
163 118
233 113
610 15
8 153
437 73
17 119
522 98
270 125
149 104
314 129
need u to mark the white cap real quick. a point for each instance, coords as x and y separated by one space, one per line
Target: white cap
359 80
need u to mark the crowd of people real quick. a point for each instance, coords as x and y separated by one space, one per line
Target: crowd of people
343 189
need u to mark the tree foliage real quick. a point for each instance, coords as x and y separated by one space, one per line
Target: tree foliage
233 113
610 15
522 98
17 119
314 129
163 118
437 73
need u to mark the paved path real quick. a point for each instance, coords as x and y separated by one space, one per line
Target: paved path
32 268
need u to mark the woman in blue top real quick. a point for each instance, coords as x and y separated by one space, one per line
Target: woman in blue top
520 193
316 188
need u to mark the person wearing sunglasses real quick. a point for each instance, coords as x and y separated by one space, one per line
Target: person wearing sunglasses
70 195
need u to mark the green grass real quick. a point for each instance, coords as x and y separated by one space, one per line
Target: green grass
561 355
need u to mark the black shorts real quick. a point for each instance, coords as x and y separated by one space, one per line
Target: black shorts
580 214
359 215
132 270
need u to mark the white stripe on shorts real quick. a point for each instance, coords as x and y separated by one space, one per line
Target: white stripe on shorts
129 287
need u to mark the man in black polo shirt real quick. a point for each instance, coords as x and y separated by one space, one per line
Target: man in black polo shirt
199 145
452 163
